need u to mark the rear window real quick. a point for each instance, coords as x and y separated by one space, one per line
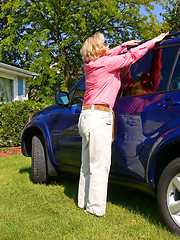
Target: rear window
150 73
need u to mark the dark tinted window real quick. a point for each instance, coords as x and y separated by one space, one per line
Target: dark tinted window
78 97
150 73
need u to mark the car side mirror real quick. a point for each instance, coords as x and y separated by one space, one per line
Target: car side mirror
62 98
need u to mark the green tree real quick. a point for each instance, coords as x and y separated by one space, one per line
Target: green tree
172 15
46 35
8 51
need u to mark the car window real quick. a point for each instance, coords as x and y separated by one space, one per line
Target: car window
150 73
175 82
78 97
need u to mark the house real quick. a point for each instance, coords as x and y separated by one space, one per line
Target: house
14 83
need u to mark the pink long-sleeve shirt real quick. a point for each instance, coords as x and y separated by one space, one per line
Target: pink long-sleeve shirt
102 75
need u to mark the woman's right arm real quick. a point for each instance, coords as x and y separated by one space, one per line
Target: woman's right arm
160 37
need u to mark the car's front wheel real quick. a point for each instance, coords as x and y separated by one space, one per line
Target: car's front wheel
168 195
38 163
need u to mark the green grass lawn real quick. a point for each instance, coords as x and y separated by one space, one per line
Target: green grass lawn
35 211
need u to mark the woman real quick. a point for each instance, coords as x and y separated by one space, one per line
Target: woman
102 79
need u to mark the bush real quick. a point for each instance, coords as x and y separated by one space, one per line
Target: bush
13 117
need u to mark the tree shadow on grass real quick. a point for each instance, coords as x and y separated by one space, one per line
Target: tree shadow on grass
135 201
70 183
26 170
131 199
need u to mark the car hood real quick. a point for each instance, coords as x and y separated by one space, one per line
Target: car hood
44 111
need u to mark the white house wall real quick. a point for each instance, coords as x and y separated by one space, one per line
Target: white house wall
13 73
15 89
15 86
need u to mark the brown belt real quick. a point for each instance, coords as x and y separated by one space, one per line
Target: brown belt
102 108
97 107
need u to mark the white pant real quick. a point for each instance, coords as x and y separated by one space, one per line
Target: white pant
95 127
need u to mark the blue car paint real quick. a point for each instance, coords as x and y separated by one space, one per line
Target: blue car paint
144 125
140 109
41 125
56 118
131 166
167 139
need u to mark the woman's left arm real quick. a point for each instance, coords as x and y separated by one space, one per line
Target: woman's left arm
118 50
126 59
131 43
123 47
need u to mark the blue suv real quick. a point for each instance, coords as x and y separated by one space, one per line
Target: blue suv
146 148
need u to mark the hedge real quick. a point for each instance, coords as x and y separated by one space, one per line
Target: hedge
13 117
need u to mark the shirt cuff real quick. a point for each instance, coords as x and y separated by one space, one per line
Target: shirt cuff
123 45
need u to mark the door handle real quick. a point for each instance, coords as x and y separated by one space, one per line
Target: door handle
168 103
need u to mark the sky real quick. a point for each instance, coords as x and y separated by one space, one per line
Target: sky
157 11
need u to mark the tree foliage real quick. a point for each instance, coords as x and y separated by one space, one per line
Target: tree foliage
172 15
45 36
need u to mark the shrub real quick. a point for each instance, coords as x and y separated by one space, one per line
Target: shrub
13 117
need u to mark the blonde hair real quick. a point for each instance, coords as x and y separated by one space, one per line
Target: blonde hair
93 47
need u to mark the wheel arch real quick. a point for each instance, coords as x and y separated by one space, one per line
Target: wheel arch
166 150
26 139
38 128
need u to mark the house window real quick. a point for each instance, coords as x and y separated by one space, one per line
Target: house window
6 90
20 86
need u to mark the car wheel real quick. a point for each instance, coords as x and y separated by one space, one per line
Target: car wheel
168 195
38 166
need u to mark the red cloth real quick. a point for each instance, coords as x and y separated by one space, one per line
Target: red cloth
149 81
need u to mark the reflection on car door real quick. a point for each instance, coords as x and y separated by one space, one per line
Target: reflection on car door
140 122
68 149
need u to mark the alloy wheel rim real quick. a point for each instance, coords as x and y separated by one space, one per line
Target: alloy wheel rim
173 199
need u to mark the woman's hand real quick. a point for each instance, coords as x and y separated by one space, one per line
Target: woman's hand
160 37
131 43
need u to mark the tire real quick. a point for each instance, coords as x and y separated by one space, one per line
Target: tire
168 195
38 163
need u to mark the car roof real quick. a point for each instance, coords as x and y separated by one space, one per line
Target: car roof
170 39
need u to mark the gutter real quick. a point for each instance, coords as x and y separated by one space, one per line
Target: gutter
17 71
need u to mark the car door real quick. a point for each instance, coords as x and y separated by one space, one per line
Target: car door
143 115
66 139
